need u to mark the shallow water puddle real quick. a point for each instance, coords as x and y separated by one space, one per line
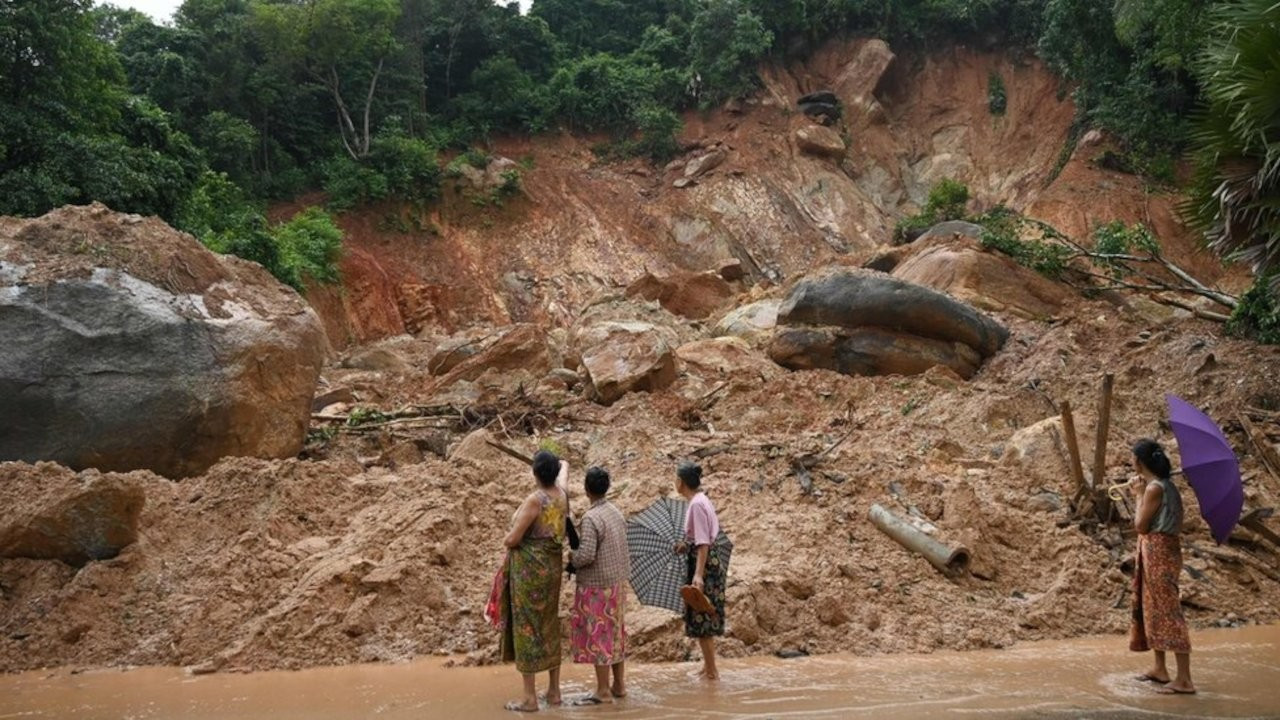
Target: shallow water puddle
1238 672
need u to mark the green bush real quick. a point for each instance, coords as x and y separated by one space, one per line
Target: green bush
947 200
1258 314
310 244
1006 231
997 100
306 247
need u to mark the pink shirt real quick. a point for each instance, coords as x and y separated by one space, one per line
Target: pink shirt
701 526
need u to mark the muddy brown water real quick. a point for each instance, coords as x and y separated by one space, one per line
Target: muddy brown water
1238 672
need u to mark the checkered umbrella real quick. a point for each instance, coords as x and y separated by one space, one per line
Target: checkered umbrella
657 572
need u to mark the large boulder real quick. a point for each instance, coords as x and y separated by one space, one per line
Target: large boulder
861 322
819 140
950 258
129 345
51 513
690 294
623 357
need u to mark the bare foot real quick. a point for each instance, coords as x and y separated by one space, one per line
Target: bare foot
618 691
593 699
1153 676
521 706
1177 689
706 674
555 699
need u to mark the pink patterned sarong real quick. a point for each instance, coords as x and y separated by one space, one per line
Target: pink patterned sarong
599 634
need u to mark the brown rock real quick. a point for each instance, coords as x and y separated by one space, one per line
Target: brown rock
623 357
378 359
704 163
332 396
692 295
521 347
53 514
950 258
724 356
819 140
831 610
475 447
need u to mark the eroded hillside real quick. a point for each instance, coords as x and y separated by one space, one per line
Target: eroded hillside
379 543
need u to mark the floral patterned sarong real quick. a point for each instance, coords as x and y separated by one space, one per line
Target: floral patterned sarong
699 624
1157 622
599 633
531 599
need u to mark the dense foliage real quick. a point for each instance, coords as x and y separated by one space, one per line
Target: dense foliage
359 96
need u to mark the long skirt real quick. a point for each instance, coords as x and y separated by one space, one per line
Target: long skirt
599 632
531 600
699 624
1157 622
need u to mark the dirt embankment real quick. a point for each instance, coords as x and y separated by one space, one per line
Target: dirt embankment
375 547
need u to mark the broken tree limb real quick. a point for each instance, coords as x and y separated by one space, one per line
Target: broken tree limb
1253 520
1266 451
1235 557
951 560
510 451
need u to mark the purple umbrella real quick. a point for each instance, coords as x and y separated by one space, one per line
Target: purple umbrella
1210 466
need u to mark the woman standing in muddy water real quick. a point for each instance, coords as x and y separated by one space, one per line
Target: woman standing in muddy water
705 566
1157 622
531 596
599 635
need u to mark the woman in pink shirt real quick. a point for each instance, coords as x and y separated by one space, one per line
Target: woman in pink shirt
706 569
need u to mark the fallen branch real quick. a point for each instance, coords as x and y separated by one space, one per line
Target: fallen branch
510 451
1236 557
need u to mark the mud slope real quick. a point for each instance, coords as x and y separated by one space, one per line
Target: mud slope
581 225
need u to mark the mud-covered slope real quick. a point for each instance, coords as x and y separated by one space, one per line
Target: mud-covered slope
581 225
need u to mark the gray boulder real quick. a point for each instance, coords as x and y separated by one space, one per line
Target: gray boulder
863 322
128 345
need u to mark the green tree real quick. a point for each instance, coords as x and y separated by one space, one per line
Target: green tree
728 41
339 44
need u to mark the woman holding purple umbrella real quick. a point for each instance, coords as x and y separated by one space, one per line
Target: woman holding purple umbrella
1157 622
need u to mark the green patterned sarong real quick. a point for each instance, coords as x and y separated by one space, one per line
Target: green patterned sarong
531 599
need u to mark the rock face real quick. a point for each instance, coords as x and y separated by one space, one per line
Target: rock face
861 322
819 140
623 357
950 258
53 514
858 79
128 345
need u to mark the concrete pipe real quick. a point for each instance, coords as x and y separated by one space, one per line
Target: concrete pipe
950 559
